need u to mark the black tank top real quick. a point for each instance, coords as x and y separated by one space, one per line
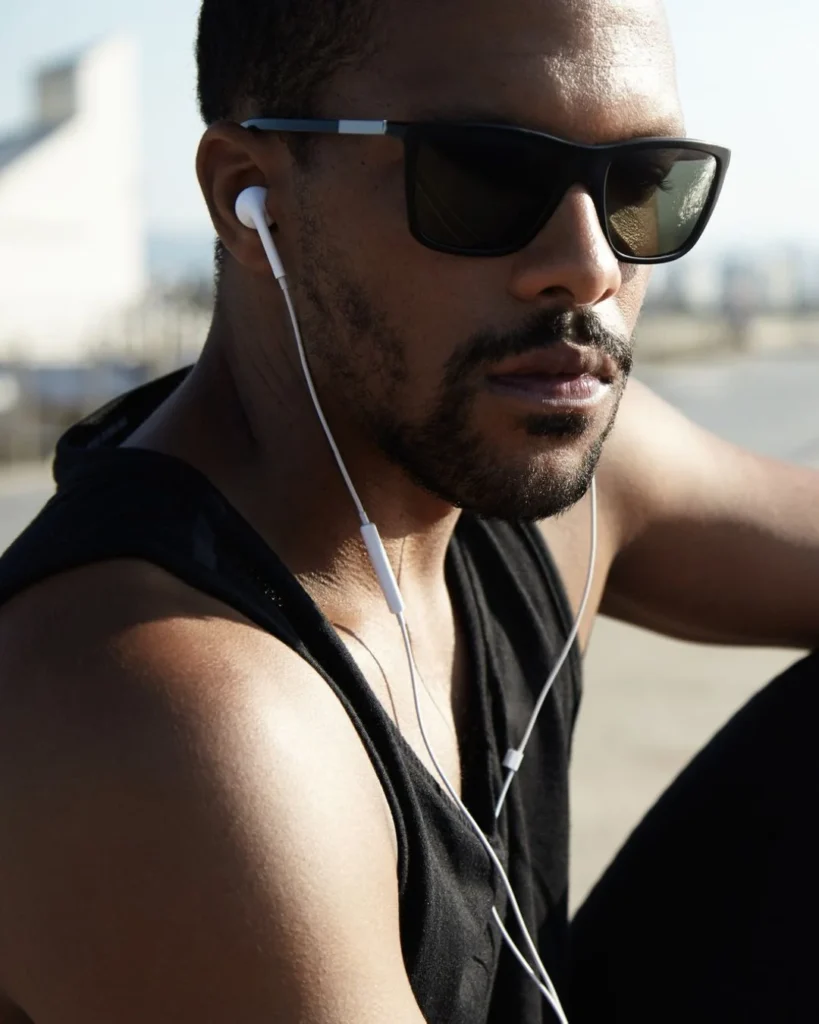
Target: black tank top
114 502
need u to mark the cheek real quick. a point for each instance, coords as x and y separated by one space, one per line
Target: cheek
432 301
362 203
362 210
630 298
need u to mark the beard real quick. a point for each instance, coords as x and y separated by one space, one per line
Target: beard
352 343
447 456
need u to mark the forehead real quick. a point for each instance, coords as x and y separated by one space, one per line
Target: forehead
592 70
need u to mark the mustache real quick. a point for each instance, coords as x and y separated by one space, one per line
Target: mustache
546 328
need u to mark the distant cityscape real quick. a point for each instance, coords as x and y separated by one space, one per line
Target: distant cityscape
90 306
745 283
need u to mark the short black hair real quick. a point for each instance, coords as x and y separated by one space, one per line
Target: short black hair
273 57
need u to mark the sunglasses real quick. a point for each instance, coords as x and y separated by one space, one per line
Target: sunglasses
488 190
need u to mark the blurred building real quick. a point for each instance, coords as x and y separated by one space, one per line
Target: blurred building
694 285
72 250
785 283
744 287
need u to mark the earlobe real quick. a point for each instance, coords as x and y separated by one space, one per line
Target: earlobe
231 159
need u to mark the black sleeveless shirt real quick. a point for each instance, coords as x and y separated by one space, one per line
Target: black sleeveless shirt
114 502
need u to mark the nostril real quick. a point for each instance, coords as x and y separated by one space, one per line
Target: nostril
559 295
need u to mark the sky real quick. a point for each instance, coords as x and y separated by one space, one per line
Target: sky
747 74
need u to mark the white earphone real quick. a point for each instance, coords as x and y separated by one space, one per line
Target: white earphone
251 211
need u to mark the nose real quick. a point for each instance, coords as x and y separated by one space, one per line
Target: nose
570 260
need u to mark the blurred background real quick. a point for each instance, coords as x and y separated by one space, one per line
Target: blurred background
98 113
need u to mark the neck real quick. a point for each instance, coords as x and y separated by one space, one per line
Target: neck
245 419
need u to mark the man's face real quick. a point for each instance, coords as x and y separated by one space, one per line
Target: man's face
446 363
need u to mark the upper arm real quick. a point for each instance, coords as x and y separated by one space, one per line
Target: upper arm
711 542
187 841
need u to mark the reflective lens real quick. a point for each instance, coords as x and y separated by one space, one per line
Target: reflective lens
483 190
655 199
486 190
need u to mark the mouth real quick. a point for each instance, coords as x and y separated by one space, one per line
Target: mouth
560 377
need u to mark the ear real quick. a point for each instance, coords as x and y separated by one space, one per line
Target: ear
230 159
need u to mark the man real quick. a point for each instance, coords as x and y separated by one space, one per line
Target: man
216 801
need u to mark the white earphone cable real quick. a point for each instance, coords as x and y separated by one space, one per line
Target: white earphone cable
392 593
548 989
514 758
362 515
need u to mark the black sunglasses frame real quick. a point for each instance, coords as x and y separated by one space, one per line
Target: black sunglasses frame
586 165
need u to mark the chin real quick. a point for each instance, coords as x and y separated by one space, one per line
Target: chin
537 470
537 488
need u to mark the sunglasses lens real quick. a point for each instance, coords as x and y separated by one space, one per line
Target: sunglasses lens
482 190
657 198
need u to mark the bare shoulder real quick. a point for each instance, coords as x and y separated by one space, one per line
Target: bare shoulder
192 828
662 471
709 542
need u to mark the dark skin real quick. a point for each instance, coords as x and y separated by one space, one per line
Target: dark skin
169 857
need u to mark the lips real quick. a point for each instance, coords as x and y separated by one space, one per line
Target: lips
560 360
560 377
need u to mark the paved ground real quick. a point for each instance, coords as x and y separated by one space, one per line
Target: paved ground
650 704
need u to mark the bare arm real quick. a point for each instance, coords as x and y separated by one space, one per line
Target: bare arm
187 839
711 542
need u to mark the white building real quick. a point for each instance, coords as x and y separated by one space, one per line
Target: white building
72 252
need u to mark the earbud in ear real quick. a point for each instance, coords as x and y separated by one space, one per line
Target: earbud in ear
251 210
251 207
